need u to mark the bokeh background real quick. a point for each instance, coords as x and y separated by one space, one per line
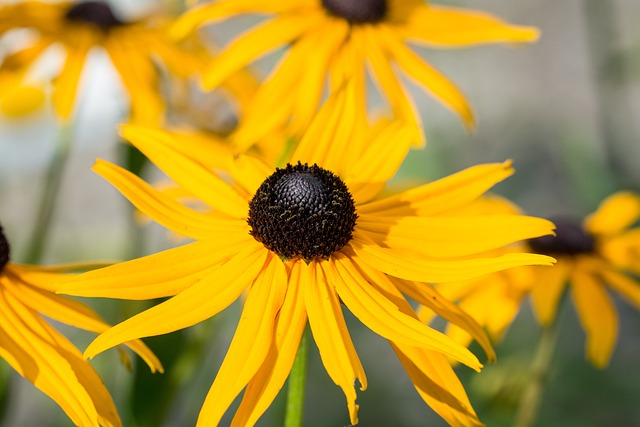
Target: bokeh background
566 110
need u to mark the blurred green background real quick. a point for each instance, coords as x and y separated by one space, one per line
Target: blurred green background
566 110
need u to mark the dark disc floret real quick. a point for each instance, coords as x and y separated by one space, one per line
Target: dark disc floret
357 11
4 250
570 239
97 13
303 212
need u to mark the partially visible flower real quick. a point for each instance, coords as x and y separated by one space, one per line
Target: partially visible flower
337 40
595 258
43 355
135 48
302 240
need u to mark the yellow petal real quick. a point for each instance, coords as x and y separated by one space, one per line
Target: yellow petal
448 26
442 195
597 315
548 288
251 341
626 286
614 214
193 176
438 385
271 376
425 75
330 333
447 237
159 275
66 84
410 266
199 302
249 172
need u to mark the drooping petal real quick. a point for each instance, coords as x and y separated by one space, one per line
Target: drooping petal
206 298
20 60
546 292
163 274
164 209
330 333
409 266
195 177
425 75
442 195
448 26
448 237
251 341
625 285
597 315
385 318
271 376
47 359
614 214
66 84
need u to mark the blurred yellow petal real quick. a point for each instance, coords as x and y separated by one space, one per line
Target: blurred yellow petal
626 286
548 288
614 214
598 317
21 100
250 344
66 84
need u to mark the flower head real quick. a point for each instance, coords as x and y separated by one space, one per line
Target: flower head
43 355
337 40
301 240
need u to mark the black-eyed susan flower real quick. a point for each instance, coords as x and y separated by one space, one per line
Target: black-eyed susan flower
337 40
135 48
302 240
43 355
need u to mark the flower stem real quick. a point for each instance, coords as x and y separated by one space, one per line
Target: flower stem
540 367
53 179
297 380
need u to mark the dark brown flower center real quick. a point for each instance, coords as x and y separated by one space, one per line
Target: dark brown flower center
357 11
570 239
4 250
303 212
93 12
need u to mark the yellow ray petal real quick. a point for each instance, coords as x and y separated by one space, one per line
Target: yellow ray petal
164 209
204 299
66 84
425 75
614 214
597 315
207 13
17 62
255 43
249 172
448 26
442 195
447 237
410 266
139 77
330 333
191 175
547 290
438 385
626 286
271 376
159 275
385 318
53 364
251 341
426 295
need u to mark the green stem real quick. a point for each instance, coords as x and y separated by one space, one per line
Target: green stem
38 240
540 367
297 380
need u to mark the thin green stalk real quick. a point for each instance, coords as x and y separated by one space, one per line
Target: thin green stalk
53 179
297 380
540 367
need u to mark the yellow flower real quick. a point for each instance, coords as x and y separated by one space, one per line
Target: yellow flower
338 39
602 252
300 241
44 356
133 48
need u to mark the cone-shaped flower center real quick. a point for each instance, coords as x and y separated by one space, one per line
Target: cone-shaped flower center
4 250
570 239
303 212
93 12
357 11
